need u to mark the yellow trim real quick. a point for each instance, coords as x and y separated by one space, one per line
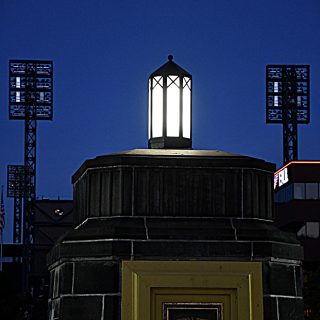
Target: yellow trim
146 285
226 297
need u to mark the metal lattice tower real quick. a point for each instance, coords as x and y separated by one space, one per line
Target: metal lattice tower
288 103
15 189
30 99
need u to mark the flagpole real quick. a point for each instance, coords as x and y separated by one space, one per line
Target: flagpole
1 250
2 222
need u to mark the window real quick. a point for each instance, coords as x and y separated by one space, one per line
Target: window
312 230
285 194
309 230
299 190
311 190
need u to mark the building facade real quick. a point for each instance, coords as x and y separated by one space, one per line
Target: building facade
157 231
297 208
52 219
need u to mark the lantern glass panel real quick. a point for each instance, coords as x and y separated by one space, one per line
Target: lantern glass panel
173 106
157 107
149 110
186 113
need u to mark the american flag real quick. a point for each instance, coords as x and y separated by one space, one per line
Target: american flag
2 220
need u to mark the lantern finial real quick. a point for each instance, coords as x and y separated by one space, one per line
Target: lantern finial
170 57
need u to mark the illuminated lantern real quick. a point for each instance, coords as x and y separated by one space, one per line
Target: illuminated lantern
170 107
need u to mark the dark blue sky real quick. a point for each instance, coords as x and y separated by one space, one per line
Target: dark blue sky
104 52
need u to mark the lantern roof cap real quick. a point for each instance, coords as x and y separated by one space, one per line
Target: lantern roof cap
170 68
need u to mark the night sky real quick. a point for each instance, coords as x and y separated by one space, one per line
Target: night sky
104 51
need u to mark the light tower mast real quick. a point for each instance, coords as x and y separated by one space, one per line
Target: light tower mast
15 189
30 99
288 103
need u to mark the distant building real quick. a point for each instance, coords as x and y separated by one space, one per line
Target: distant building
297 209
52 219
12 266
297 198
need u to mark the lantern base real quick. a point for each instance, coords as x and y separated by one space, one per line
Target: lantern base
170 143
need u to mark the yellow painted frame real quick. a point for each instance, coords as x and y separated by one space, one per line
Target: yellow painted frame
147 284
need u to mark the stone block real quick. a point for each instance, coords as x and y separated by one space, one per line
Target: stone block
290 309
81 308
277 250
56 282
261 230
299 279
191 250
54 309
287 251
96 277
112 309
190 229
96 249
51 284
270 308
279 279
109 228
65 278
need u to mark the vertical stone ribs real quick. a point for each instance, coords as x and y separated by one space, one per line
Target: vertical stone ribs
188 192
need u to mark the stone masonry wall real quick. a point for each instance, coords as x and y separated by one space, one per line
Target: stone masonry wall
86 273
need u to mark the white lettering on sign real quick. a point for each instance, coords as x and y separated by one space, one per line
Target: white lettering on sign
283 177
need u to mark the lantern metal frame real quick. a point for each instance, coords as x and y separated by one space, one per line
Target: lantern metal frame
165 141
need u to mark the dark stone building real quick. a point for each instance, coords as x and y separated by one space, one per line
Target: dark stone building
164 228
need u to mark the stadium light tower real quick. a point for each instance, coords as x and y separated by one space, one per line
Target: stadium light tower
30 99
15 189
288 103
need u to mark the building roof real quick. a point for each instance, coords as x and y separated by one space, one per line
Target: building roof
174 158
